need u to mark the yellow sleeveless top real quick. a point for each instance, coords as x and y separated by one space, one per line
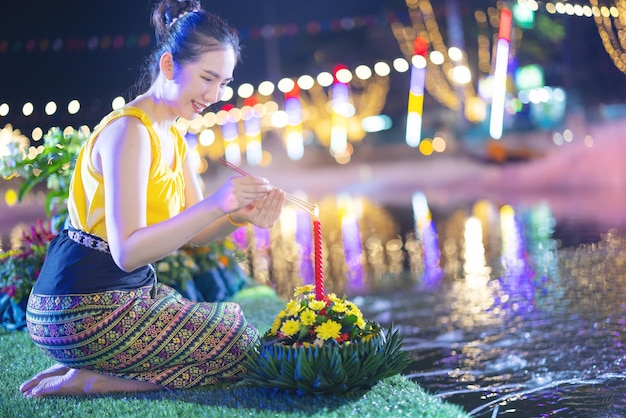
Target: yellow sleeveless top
166 186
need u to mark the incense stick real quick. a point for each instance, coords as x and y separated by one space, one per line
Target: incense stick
302 204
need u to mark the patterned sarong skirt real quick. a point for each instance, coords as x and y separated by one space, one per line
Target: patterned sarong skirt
148 334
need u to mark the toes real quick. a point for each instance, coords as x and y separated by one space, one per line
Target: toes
55 370
26 386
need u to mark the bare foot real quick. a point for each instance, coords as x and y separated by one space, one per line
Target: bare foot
83 382
56 370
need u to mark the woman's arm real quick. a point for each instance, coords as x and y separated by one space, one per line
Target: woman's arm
123 154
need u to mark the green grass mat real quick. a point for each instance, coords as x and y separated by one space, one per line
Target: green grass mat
392 397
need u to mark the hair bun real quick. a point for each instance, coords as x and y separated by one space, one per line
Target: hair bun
167 12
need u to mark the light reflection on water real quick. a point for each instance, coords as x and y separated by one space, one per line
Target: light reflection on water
499 316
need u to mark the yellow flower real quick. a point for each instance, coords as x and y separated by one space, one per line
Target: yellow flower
290 327
339 307
301 290
292 308
275 326
162 267
360 322
308 317
317 305
333 298
328 330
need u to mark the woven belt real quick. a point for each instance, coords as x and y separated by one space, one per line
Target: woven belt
88 240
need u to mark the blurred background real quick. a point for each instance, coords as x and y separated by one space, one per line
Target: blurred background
517 102
466 158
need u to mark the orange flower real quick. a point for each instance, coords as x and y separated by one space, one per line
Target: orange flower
224 260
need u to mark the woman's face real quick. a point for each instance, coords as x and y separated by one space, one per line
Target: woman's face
199 84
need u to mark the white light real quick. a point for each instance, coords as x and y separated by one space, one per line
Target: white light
413 129
418 61
245 90
306 82
545 94
455 53
344 76
461 74
73 107
37 134
400 65
286 85
534 96
499 89
118 103
376 123
280 119
325 79
4 109
382 69
436 57
295 146
51 108
338 140
232 153
228 94
363 72
266 88
206 137
254 152
28 109
568 135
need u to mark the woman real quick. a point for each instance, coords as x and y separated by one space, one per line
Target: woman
96 308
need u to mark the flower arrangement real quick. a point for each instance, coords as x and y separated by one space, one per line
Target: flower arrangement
19 268
306 321
324 346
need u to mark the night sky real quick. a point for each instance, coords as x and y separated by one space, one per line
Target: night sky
96 76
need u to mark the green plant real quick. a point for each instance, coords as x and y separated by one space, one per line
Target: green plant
20 267
189 261
52 162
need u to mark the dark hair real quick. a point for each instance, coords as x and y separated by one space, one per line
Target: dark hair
183 28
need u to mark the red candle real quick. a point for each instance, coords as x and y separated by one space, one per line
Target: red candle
317 248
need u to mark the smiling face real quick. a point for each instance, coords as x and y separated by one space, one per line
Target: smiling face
193 86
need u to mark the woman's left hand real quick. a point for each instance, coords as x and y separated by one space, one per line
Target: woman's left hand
265 212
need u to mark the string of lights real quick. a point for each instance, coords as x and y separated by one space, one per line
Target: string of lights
144 40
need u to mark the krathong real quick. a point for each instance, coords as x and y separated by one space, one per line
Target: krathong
324 346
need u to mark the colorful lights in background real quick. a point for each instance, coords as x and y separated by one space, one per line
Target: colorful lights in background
363 249
427 235
252 129
500 75
342 110
416 92
359 95
294 138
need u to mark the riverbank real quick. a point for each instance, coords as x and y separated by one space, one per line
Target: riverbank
394 397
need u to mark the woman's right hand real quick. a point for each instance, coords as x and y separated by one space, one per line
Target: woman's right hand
240 191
